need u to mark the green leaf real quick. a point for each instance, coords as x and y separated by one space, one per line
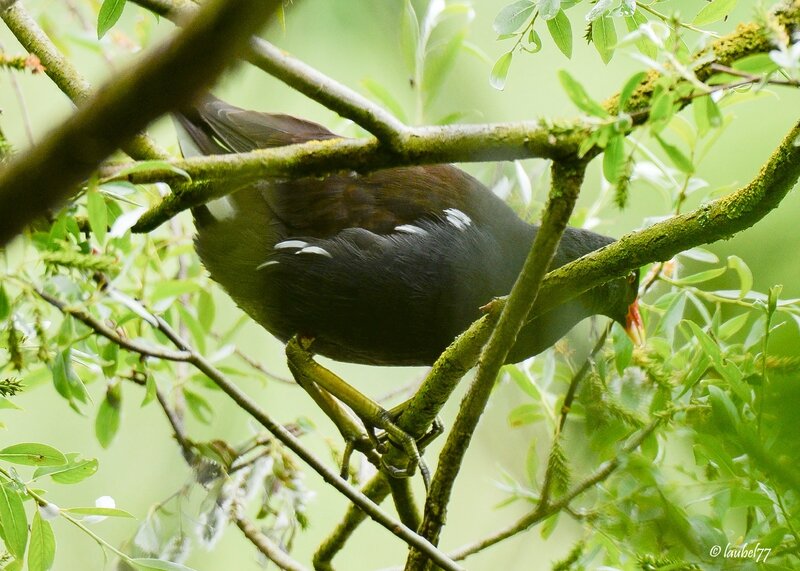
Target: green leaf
110 355
409 36
198 406
108 512
98 213
629 87
681 161
732 326
151 390
206 309
172 288
106 423
604 37
548 9
67 382
384 97
33 454
614 159
756 64
714 11
723 408
438 63
110 12
524 414
707 115
14 521
561 31
42 551
577 94
701 277
512 17
5 304
499 74
645 46
75 470
745 275
158 565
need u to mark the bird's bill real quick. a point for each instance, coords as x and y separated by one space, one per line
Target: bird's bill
634 326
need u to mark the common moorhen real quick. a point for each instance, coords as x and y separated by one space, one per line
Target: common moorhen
385 268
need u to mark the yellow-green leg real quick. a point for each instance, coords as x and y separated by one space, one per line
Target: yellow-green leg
323 385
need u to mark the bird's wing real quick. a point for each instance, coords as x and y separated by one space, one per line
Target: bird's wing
378 202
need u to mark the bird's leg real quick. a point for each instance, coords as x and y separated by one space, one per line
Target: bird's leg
309 373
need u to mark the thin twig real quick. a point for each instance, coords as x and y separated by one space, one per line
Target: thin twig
544 510
265 545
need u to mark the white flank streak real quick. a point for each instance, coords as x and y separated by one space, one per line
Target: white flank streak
314 250
221 208
290 244
265 264
410 229
457 218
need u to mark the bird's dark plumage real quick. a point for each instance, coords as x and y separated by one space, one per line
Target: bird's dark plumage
384 268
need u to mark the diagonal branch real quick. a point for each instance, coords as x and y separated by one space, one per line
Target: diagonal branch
164 80
567 179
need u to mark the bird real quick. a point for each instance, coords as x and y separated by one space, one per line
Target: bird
380 268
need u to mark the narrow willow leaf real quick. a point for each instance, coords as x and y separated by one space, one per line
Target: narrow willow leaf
629 87
707 115
14 521
680 160
439 62
732 326
110 12
107 512
745 275
512 17
614 159
549 9
701 277
159 565
578 95
106 423
561 32
756 64
42 550
33 454
409 36
98 214
75 470
499 74
385 98
714 11
199 406
604 37
645 46
5 304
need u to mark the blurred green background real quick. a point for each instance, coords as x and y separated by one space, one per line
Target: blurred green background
353 41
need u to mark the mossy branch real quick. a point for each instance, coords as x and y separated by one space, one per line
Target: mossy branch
715 220
166 79
567 178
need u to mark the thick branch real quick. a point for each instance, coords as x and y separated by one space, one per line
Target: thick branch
164 80
716 220
64 74
567 179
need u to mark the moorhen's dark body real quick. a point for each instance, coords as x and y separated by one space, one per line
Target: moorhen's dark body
384 268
